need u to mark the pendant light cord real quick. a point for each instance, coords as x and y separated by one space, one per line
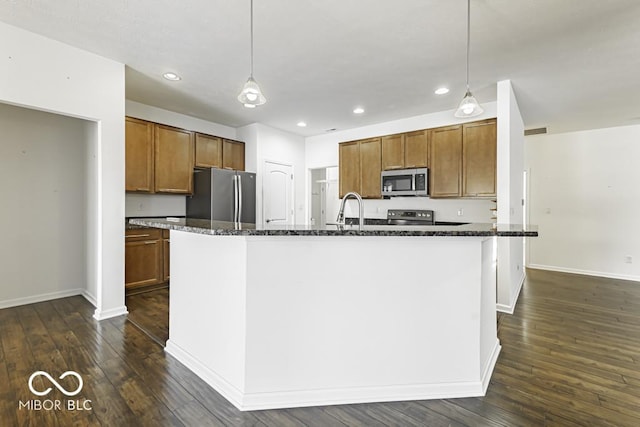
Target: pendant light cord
252 44
468 37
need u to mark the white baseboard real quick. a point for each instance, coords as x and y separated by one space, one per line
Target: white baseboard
305 398
509 309
108 314
32 299
491 364
607 275
90 297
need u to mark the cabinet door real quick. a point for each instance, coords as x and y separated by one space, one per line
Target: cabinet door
479 159
446 162
349 167
138 155
143 263
370 168
233 155
208 151
173 160
165 254
416 149
393 152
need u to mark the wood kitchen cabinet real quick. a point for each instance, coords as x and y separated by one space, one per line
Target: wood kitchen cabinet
208 151
393 151
406 150
139 155
446 162
233 154
416 149
173 160
144 262
479 159
159 158
165 254
360 165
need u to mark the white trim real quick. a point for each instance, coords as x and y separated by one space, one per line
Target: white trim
39 298
305 398
488 370
585 272
509 309
108 314
90 297
222 386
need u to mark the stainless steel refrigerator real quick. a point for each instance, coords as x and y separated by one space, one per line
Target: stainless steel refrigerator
223 195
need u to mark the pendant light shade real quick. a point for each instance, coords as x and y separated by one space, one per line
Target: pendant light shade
251 96
469 106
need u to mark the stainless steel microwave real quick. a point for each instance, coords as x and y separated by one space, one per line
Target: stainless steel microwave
405 182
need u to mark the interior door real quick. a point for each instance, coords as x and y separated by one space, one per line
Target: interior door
277 194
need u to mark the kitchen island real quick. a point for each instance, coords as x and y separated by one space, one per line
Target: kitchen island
275 317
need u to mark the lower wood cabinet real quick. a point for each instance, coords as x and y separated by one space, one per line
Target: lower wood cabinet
146 257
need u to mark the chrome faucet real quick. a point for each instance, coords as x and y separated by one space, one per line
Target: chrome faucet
351 194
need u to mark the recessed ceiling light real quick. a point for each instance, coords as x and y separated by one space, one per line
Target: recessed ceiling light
358 110
441 91
302 124
172 76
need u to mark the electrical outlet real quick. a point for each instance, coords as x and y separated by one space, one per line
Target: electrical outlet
628 259
460 212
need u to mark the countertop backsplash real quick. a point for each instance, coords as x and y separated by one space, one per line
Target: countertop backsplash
154 205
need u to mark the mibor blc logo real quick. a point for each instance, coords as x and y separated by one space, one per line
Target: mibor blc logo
55 383
55 405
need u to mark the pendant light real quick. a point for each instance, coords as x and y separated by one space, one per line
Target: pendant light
469 106
251 95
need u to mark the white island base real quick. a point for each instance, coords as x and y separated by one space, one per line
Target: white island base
289 321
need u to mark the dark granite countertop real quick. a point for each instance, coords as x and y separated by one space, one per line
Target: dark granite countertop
223 228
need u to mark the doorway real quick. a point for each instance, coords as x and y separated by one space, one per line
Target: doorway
324 195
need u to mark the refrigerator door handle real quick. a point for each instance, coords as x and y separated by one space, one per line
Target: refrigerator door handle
235 198
239 197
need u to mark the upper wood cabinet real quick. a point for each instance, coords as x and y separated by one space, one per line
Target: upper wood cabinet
173 160
208 151
416 149
360 164
371 156
233 154
446 162
138 155
479 159
393 150
405 150
349 167
159 159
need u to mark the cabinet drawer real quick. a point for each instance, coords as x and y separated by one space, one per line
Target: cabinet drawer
138 234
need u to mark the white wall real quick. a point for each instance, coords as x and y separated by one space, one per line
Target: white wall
43 74
44 197
145 205
322 151
585 198
264 143
510 168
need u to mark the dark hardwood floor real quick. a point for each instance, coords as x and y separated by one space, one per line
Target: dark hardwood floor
570 357
149 311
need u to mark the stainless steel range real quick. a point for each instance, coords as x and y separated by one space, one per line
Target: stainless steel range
409 217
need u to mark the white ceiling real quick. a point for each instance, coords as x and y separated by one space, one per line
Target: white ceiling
574 64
